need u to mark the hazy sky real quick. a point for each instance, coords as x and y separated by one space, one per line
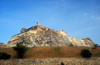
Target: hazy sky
79 18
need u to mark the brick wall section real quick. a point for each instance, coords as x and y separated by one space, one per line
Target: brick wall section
52 61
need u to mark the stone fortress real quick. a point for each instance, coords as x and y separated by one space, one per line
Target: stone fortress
38 35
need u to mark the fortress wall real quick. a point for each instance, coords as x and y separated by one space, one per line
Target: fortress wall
3 45
52 61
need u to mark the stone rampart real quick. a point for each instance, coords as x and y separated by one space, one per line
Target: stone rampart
52 61
3 45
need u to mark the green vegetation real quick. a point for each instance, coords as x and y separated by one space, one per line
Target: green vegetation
4 55
52 52
62 63
56 49
97 54
95 46
78 54
71 45
92 50
86 53
21 49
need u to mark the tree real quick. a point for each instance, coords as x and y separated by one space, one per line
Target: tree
21 49
86 53
4 55
62 63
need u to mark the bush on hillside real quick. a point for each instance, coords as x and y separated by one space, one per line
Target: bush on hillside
86 53
4 55
71 45
62 63
95 46
56 49
97 54
21 49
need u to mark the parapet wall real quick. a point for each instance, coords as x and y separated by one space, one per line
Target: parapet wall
52 61
3 45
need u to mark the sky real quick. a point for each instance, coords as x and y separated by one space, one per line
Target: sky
79 18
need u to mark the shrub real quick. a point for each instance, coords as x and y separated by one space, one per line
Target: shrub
78 54
62 63
21 49
86 53
95 46
97 54
56 49
4 55
70 44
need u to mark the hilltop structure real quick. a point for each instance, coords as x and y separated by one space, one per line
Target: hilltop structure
38 35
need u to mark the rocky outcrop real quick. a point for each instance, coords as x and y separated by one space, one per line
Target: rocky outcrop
37 36
3 45
23 30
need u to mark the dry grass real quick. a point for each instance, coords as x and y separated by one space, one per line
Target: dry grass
51 52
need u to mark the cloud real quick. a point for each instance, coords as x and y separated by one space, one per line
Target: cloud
92 16
84 30
95 17
58 3
98 18
92 28
85 14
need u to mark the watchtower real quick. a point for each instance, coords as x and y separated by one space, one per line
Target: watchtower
37 23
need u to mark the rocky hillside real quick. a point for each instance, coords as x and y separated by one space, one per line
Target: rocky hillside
37 36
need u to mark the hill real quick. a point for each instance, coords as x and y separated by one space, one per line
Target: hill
52 52
37 36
